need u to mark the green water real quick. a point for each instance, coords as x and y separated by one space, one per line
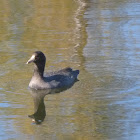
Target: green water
101 39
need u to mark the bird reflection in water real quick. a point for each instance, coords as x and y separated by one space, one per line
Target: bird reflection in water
39 107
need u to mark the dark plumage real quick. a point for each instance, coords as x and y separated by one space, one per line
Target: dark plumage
59 79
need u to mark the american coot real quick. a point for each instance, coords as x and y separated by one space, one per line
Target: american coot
59 79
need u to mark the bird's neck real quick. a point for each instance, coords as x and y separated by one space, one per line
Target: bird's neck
39 70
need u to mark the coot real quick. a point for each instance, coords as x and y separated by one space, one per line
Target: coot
59 79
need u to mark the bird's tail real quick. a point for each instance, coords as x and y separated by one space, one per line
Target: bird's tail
75 73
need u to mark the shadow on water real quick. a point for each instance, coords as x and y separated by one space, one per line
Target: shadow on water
39 106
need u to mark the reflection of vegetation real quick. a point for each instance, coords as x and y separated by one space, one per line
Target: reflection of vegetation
26 26
53 30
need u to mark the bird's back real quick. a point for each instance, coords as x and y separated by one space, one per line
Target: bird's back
61 78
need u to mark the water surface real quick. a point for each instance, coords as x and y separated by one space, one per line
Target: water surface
101 39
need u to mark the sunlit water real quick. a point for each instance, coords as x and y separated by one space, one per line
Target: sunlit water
98 37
